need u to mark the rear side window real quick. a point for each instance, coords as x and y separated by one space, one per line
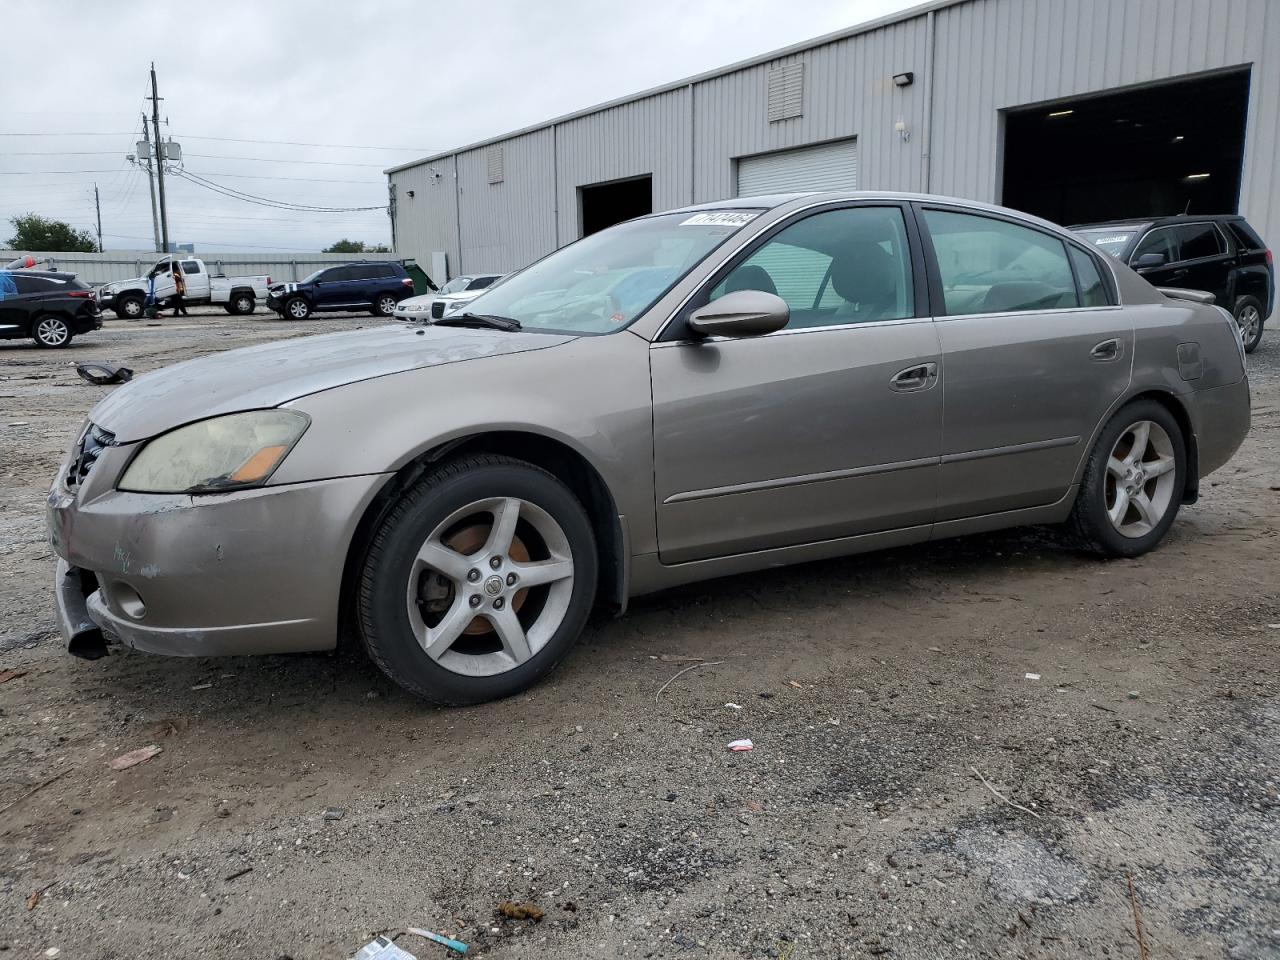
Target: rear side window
29 284
382 271
1245 235
479 283
190 266
1199 240
1092 291
993 266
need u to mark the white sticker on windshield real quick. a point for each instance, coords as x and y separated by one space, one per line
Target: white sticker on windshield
736 219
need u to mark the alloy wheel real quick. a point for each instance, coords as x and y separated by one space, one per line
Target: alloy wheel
1141 474
387 306
298 310
1249 321
52 332
490 586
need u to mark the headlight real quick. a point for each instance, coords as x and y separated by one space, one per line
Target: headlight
224 453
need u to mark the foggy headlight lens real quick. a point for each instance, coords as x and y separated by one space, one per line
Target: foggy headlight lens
225 453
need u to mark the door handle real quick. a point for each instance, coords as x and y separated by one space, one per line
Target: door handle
920 377
1107 350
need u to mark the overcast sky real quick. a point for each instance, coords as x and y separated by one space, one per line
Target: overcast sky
388 80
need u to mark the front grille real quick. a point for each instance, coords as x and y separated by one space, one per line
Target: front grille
437 309
87 451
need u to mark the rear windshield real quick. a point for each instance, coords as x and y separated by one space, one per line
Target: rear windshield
1108 241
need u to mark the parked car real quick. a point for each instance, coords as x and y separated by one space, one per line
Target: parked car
1220 254
236 295
460 291
789 379
50 307
376 286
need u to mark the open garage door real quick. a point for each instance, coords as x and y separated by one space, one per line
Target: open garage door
828 166
602 205
1171 148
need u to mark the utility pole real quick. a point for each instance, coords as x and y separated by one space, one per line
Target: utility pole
97 206
155 121
151 184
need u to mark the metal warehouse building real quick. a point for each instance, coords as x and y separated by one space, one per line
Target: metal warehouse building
1076 110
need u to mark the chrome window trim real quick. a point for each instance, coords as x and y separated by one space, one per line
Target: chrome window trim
785 332
1054 311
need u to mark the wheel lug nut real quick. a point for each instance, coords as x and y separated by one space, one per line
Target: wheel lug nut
473 575
499 604
475 600
511 579
495 562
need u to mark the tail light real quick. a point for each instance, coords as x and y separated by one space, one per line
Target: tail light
268 281
408 282
1269 261
81 294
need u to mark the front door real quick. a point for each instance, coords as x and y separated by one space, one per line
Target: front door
1035 351
828 428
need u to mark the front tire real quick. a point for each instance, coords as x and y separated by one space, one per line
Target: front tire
1249 321
478 581
52 331
129 307
296 308
1133 482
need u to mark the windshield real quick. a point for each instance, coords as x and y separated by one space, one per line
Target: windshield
456 285
605 281
1108 241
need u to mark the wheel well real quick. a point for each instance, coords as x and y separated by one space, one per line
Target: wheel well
558 459
236 291
1191 492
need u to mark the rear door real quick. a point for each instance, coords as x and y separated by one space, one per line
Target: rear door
827 428
1034 351
1207 260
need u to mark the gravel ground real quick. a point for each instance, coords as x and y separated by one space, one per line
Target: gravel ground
880 692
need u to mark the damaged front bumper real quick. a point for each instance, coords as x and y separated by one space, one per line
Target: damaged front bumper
247 572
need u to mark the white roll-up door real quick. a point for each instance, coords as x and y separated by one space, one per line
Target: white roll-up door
828 166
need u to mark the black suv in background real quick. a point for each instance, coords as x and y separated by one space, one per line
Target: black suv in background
50 308
374 285
1219 254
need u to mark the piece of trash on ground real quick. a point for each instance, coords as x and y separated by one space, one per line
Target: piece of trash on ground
440 938
235 876
7 675
133 757
34 899
1033 676
380 948
739 746
794 684
734 706
520 911
334 813
676 658
101 374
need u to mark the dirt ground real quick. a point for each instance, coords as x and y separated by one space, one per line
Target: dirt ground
1125 717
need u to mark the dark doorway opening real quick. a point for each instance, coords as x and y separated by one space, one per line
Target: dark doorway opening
1167 149
605 204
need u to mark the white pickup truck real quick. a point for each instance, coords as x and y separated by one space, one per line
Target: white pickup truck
235 294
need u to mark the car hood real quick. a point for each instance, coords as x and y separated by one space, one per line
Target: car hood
254 378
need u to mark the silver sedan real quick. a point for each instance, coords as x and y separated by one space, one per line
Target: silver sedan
692 394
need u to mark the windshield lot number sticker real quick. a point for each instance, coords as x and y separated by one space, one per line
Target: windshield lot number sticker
719 219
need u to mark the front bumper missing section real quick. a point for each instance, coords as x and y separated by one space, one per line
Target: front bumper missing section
84 638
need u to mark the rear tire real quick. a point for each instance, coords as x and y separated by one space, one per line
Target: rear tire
1133 483
488 534
1249 321
241 304
384 306
52 331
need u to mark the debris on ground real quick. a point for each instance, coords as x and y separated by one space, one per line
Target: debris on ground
739 746
794 684
101 374
1033 676
134 757
734 706
380 948
235 876
7 675
202 686
676 658
713 663
440 938
520 911
34 899
334 813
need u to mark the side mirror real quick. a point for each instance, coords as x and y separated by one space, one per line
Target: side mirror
1149 260
743 313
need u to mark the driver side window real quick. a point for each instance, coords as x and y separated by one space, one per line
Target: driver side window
1162 240
833 268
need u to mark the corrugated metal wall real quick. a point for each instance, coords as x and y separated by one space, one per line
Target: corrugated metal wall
989 56
96 268
507 224
428 220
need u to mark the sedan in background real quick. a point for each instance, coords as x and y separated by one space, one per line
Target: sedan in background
460 291
691 394
49 307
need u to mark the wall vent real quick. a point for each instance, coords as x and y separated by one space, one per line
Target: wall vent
494 161
786 92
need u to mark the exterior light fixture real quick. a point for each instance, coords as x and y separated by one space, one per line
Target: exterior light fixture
1060 113
904 79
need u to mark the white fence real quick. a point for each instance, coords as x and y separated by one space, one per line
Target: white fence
96 268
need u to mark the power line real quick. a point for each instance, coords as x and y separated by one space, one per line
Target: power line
262 176
44 173
295 143
265 201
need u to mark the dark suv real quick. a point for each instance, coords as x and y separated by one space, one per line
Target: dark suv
376 286
1220 254
50 308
